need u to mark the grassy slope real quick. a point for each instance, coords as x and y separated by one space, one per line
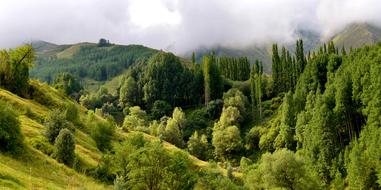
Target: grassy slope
37 170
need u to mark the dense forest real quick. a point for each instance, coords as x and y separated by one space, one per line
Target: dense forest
314 123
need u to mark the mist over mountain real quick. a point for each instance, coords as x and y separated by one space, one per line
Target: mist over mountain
179 26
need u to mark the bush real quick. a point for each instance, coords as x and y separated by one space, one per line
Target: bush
55 123
72 114
11 138
102 133
65 147
42 145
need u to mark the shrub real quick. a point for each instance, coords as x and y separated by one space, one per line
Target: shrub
11 138
55 123
42 145
102 133
72 114
65 147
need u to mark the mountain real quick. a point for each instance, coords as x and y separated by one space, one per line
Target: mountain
357 35
354 35
261 52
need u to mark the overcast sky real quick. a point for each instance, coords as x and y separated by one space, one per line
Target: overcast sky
177 25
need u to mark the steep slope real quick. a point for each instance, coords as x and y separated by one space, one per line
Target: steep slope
36 170
357 35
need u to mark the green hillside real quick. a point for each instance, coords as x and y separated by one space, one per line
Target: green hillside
37 170
86 60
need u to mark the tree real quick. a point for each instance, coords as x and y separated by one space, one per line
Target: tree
11 138
135 119
128 94
173 134
198 145
65 146
68 85
174 127
103 42
160 108
56 121
147 167
256 88
193 57
276 68
229 116
14 69
180 174
283 170
227 142
213 85
235 98
300 58
285 138
141 164
166 78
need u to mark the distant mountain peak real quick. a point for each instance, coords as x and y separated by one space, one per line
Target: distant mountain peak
356 35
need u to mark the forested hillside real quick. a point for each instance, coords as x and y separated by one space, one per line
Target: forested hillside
313 124
99 62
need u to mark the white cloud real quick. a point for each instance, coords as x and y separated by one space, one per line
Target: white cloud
178 25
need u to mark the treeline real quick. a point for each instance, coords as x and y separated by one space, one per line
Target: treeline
286 68
237 69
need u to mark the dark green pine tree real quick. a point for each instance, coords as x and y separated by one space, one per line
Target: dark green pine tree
256 89
300 58
283 71
276 69
213 84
